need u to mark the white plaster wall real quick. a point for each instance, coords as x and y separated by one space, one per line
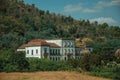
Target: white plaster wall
20 49
58 42
34 48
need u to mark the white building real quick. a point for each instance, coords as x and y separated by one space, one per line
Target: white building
61 49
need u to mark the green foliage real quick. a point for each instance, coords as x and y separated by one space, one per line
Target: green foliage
20 22
74 63
107 71
87 61
12 61
37 64
107 47
10 67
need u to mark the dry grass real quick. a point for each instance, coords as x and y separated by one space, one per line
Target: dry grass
58 75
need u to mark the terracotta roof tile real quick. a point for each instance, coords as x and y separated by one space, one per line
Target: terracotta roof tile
22 46
37 42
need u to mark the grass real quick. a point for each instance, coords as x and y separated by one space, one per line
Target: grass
51 75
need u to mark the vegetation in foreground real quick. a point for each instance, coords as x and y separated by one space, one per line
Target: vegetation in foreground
95 64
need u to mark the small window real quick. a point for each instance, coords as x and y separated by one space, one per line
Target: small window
56 58
50 51
27 51
71 44
68 44
32 52
55 51
58 51
64 44
36 51
45 50
65 58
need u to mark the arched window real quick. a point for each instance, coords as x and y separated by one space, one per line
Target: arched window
68 44
64 44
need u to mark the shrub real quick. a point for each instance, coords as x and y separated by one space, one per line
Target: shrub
10 68
107 71
36 64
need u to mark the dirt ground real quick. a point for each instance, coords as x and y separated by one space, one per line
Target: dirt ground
53 75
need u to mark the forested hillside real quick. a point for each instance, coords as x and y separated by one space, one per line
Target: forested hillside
20 22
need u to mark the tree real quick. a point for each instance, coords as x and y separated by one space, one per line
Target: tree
3 6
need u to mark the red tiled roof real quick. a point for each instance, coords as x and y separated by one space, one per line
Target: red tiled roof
53 45
37 42
22 46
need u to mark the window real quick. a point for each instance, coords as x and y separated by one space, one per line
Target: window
50 51
27 51
45 50
56 58
58 51
36 51
71 44
64 44
53 51
65 58
32 52
68 44
72 51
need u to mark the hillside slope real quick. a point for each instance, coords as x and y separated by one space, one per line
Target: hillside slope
20 22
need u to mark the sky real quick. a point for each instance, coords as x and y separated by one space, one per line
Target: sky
94 10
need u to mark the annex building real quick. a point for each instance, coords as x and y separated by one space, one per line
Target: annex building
61 49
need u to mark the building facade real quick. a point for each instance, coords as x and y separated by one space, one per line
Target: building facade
61 49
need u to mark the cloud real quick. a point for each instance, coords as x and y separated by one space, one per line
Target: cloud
97 7
102 20
72 8
78 8
114 3
103 4
88 10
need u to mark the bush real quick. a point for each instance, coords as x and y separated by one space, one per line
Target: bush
36 64
10 68
107 71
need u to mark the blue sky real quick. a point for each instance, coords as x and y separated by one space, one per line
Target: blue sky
95 10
